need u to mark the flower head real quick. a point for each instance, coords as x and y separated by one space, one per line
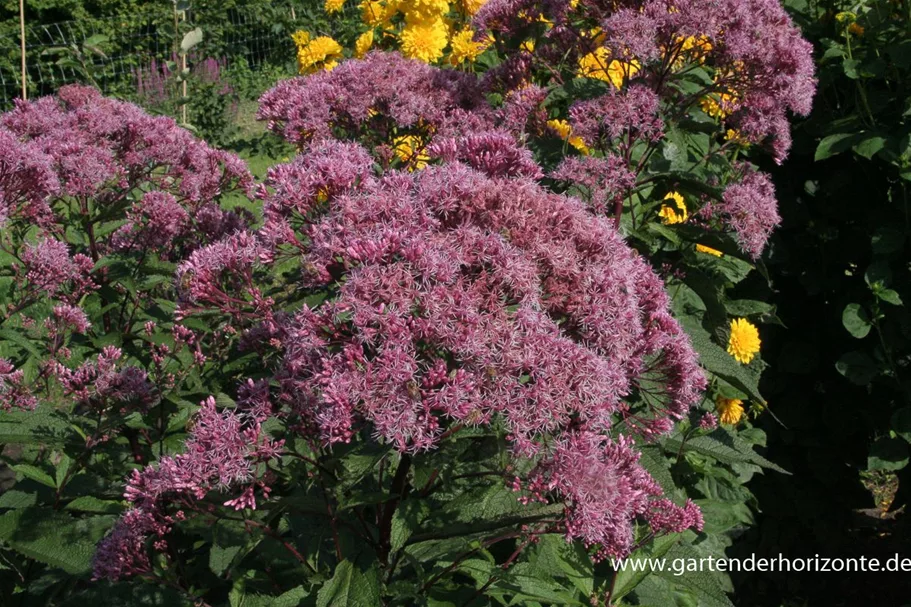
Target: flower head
333 6
708 250
424 40
673 214
730 410
743 343
363 43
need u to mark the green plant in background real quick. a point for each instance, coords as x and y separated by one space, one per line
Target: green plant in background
838 269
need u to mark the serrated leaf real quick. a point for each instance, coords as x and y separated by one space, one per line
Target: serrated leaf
54 538
715 359
629 576
722 446
701 582
87 503
350 587
36 474
227 541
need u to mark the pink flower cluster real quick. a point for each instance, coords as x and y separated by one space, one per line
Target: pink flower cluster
605 488
381 92
465 293
96 152
762 70
226 450
105 382
15 393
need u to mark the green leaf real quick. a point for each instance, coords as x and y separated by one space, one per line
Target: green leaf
190 40
855 319
36 474
748 307
227 541
901 423
718 361
878 273
869 145
54 538
351 587
724 447
20 340
888 454
87 503
835 144
857 367
889 296
887 240
43 426
628 578
703 583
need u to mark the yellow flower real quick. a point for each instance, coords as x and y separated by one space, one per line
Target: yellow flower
695 46
301 38
528 46
424 41
704 249
464 47
472 6
320 53
600 66
670 215
410 149
373 12
846 16
363 44
417 11
719 105
565 131
737 137
743 344
730 410
333 6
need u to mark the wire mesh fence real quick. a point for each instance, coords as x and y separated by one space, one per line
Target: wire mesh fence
56 55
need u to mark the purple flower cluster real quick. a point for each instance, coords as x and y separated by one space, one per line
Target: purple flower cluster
383 93
466 293
98 151
226 451
15 393
756 52
605 488
750 209
102 383
761 70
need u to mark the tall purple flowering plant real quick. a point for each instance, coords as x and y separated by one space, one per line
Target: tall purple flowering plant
470 353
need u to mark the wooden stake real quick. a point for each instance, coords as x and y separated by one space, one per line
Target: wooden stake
22 48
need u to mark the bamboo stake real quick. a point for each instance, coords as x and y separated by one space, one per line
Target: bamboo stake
22 48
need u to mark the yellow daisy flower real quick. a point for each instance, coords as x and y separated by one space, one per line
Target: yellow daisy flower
333 6
464 47
424 41
410 149
744 342
565 131
730 410
709 250
600 66
670 215
363 44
